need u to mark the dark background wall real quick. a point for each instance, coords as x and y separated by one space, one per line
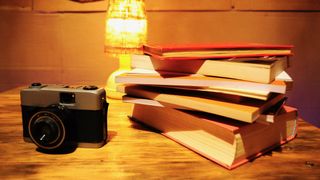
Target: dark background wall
61 41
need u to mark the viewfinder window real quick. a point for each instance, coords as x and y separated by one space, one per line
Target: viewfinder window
67 98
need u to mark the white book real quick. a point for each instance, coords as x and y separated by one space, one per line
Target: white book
144 77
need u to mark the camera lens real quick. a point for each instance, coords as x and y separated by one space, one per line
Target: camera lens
47 130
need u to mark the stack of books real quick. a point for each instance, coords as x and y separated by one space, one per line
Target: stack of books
224 102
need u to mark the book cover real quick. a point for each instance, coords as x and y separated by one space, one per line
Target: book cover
196 80
262 95
215 51
269 116
236 107
228 143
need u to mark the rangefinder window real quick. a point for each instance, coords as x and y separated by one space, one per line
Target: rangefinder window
67 98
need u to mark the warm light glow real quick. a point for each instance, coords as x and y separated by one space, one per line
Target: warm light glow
125 33
126 27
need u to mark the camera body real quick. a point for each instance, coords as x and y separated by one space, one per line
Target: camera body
55 116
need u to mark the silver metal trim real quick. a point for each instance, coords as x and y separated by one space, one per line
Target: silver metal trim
44 96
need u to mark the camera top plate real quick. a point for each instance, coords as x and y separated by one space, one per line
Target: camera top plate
79 98
60 87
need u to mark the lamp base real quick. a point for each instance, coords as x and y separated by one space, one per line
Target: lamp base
111 86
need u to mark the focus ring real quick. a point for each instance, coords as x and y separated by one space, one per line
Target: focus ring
47 123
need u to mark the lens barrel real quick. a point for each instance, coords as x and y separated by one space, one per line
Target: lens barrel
47 129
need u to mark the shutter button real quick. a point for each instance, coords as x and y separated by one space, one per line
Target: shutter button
36 84
90 87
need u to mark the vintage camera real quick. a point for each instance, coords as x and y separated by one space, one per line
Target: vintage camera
58 116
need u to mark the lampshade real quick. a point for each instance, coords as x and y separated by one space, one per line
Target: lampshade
126 27
125 33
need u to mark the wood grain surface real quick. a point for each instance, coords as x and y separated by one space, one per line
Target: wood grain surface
136 152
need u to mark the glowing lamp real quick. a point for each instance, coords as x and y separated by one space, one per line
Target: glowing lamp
125 33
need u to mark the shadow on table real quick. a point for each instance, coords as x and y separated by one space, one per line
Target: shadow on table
70 148
141 126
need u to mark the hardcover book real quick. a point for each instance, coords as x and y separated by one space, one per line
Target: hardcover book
268 116
226 142
195 80
215 51
262 95
236 107
262 70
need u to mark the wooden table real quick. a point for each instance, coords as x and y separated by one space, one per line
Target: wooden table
135 152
